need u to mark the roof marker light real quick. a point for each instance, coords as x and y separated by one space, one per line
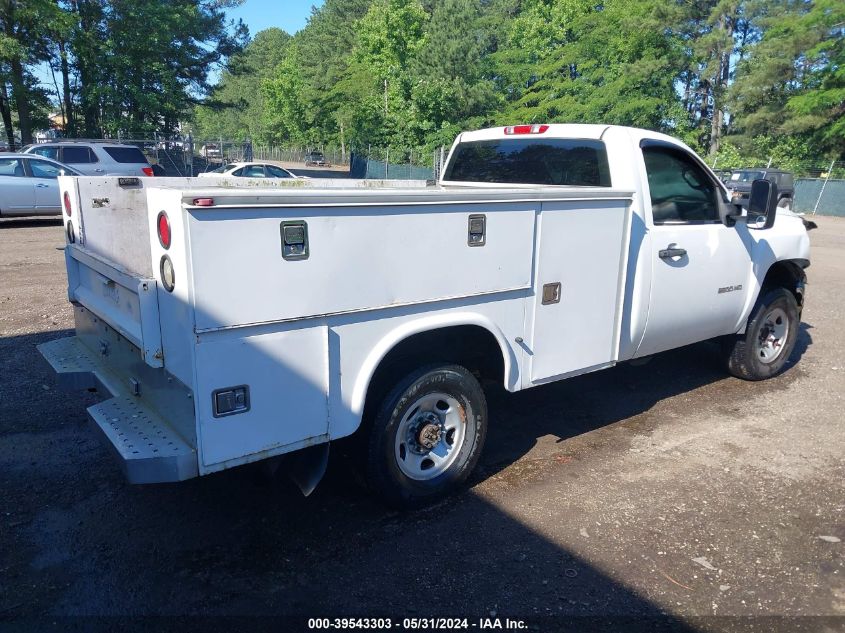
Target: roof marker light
534 128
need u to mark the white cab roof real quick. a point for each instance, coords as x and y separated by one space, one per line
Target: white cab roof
556 130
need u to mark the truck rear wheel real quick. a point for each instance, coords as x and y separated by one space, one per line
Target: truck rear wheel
769 339
427 436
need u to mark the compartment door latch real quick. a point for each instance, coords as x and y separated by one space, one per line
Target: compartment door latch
477 230
294 240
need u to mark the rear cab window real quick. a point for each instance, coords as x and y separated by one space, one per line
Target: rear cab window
531 161
123 154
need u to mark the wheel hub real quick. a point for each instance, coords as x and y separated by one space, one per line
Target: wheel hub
428 436
425 433
431 434
772 335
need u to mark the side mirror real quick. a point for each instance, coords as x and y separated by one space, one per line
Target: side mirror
764 201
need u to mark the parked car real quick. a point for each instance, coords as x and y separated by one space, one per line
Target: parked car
29 185
251 170
315 159
96 158
723 174
739 185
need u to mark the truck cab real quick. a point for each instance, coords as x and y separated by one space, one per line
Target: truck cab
696 262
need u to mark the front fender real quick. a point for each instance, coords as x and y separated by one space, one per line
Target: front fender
786 241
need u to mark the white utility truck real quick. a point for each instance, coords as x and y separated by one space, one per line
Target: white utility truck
232 323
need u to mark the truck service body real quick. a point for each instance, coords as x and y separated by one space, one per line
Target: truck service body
231 324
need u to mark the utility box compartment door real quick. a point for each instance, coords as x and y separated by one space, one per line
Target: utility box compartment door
285 377
582 247
356 258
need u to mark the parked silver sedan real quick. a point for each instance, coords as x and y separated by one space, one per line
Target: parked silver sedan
251 170
29 185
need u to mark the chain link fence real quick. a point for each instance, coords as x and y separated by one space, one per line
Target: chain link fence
819 186
395 164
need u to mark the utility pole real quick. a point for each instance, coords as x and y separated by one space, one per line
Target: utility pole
824 184
385 97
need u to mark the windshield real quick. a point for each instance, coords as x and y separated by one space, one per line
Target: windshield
746 176
531 161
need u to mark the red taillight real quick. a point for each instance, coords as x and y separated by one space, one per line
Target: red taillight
163 230
66 198
148 171
536 128
203 202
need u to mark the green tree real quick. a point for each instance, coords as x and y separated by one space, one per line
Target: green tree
615 63
793 79
287 114
451 72
331 92
24 42
390 35
236 108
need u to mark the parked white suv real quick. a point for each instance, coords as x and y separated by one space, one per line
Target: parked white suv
96 158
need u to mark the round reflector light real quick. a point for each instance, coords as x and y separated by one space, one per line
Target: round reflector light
163 230
168 276
67 203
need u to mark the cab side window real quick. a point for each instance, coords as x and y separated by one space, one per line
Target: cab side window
681 191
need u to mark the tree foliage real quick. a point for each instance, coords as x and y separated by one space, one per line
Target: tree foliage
727 76
128 67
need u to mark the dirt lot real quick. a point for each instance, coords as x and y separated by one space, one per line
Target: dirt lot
667 490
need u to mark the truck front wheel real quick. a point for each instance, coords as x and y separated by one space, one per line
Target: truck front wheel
427 436
769 339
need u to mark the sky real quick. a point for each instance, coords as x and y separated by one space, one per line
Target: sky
288 15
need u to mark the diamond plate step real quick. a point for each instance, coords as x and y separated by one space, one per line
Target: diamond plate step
73 362
149 450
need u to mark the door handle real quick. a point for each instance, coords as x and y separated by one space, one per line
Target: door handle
669 253
41 185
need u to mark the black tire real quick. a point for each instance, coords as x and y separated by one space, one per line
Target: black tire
383 473
743 352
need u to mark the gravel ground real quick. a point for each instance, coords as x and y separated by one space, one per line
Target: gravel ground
667 490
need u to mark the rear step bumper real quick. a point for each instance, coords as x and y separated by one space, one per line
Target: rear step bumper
148 449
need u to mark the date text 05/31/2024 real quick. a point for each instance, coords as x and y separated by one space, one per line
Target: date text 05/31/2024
417 624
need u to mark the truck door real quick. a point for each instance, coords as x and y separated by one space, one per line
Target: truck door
698 263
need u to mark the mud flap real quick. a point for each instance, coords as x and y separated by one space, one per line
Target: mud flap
306 467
